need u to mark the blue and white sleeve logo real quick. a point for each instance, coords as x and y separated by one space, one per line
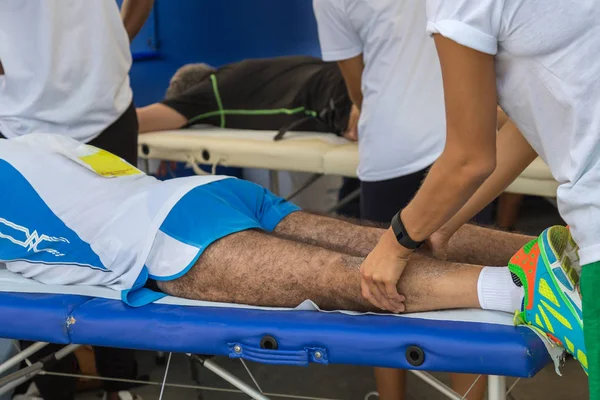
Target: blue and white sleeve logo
32 241
30 231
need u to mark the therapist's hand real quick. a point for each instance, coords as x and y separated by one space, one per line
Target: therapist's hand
381 271
437 246
351 132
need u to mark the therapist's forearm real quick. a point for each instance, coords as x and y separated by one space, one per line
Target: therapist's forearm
514 154
352 70
357 100
159 117
449 184
134 14
469 156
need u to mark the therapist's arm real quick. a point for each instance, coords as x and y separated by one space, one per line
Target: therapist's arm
159 117
469 156
468 159
134 14
514 155
352 70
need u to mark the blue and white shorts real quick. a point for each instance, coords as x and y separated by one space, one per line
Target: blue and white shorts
203 216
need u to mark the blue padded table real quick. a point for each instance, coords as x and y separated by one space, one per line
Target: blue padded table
371 340
276 337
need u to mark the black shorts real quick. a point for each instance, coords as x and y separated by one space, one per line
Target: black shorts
380 201
121 137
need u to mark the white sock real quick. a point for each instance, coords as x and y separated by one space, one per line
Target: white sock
497 291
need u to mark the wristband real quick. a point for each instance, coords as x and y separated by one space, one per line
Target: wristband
402 235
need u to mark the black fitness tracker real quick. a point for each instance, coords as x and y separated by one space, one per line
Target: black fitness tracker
402 236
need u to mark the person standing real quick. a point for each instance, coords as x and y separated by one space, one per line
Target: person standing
65 67
538 60
393 77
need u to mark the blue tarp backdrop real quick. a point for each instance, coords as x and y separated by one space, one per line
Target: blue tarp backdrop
216 32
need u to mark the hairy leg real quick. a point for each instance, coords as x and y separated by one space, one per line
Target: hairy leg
474 244
353 237
341 235
471 244
254 268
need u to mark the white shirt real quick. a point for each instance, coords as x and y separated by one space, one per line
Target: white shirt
66 64
73 214
548 79
402 126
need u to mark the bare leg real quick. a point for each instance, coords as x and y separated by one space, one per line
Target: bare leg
258 269
471 244
335 234
391 383
483 246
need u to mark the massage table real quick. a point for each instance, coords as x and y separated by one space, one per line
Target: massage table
317 153
466 341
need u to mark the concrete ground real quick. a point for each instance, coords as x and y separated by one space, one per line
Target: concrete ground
350 382
334 382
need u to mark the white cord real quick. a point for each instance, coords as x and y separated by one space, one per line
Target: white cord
18 348
192 163
513 386
162 389
215 165
471 387
251 376
182 386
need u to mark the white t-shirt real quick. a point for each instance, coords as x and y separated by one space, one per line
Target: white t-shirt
66 64
402 127
548 79
71 214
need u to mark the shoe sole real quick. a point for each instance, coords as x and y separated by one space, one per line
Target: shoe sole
555 238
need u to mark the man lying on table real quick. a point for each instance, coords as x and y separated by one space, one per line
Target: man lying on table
301 93
294 93
76 215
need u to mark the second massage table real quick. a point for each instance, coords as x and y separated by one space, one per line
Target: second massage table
317 153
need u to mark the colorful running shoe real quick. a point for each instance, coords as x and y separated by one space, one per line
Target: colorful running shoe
573 254
545 268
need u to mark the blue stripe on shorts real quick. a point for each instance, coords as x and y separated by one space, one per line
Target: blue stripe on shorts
218 209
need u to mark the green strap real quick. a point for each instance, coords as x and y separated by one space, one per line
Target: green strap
215 86
222 112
